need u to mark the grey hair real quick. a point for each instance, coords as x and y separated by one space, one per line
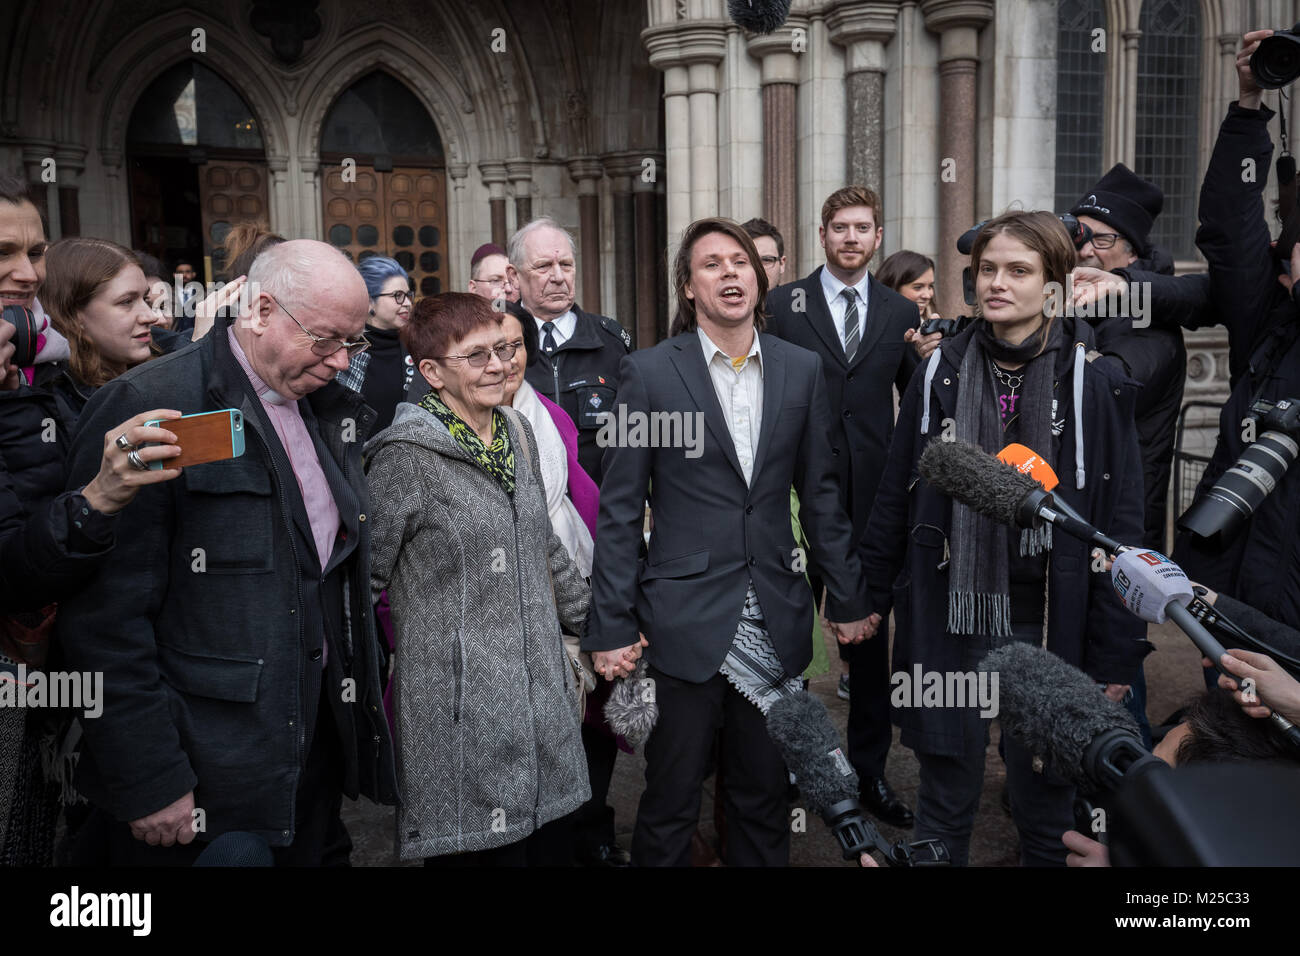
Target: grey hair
286 270
515 248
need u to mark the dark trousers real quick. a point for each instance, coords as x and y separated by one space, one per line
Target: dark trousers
320 838
869 730
677 761
548 845
594 822
949 794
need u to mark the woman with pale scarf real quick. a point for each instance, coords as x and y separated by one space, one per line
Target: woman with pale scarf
961 584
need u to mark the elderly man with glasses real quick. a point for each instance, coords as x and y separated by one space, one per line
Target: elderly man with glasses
233 626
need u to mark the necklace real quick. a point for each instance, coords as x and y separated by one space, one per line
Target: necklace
1011 381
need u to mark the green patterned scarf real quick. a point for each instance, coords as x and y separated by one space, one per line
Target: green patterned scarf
497 459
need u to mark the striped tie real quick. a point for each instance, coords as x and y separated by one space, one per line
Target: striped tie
852 333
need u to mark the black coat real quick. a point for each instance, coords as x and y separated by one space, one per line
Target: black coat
1262 566
712 532
904 546
212 672
581 377
859 394
1156 358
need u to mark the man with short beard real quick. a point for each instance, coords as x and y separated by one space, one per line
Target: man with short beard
856 325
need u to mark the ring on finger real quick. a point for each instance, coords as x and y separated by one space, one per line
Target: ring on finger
138 463
124 443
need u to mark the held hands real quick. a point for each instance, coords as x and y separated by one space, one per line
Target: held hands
855 632
118 480
620 662
170 825
1249 94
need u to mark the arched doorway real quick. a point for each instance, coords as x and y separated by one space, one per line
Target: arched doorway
392 199
197 165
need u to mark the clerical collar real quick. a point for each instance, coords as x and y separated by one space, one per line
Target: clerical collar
264 392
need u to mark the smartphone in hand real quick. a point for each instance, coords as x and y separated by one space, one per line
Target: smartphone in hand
203 437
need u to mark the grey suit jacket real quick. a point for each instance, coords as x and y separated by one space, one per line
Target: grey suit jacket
712 532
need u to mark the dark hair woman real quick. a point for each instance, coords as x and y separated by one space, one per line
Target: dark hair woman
1018 374
911 275
490 758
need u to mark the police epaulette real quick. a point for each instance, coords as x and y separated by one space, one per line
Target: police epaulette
613 327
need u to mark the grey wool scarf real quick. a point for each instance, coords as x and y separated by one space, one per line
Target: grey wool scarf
979 599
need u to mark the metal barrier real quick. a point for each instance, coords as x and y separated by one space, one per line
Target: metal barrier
1189 467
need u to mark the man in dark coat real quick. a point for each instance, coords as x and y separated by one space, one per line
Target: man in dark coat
864 359
573 359
721 595
233 625
576 362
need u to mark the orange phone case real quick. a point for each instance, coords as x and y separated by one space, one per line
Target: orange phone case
207 436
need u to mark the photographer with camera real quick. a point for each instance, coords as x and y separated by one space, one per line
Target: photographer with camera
1239 536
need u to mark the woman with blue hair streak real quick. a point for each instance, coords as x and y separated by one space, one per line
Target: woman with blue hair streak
382 372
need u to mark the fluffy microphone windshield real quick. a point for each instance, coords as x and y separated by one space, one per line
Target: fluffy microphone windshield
759 16
1054 709
972 476
802 730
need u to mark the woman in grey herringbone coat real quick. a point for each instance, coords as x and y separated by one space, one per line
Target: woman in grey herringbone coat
489 749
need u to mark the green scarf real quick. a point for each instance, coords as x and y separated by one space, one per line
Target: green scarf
497 459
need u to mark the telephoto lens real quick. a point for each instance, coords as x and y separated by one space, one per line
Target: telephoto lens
25 334
1220 513
1277 61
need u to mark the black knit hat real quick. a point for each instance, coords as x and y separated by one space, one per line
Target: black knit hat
1126 203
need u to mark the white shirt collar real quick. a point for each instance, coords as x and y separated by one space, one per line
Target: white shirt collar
711 349
834 288
565 326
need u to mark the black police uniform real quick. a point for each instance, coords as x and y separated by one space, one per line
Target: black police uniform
581 376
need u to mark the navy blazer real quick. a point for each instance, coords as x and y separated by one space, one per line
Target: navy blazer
713 533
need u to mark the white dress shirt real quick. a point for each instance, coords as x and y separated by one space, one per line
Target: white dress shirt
832 289
739 387
565 326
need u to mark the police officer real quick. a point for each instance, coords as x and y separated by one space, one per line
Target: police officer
574 358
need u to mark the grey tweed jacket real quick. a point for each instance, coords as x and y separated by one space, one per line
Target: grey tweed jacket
488 740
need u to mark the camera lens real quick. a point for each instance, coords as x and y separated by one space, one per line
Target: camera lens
1221 512
1277 61
25 334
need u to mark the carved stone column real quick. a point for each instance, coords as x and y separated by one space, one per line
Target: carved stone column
587 171
958 23
494 177
780 84
864 29
520 172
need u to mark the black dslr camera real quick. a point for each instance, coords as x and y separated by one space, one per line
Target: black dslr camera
25 332
1277 61
1221 512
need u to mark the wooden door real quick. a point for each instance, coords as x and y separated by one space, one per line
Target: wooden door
401 214
229 192
147 211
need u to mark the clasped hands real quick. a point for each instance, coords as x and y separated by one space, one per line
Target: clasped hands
620 662
855 632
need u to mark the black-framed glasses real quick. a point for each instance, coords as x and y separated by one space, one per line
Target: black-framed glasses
322 346
480 357
1103 240
769 260
400 297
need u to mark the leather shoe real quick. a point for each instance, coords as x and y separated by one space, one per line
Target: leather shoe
611 854
884 803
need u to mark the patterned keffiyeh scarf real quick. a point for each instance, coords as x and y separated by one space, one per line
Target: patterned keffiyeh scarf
497 459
